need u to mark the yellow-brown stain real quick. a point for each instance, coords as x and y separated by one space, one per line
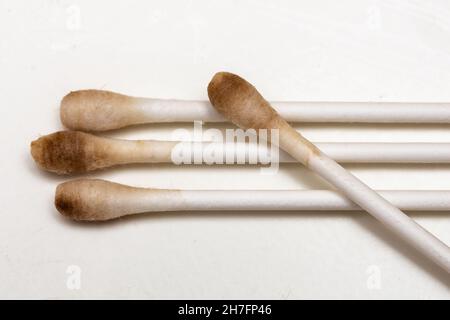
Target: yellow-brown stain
69 152
101 200
241 103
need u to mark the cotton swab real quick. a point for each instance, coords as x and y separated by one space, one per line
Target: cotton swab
242 104
67 152
99 200
98 110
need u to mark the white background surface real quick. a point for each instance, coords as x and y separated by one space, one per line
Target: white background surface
291 50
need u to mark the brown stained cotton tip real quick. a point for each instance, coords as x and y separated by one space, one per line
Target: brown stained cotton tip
240 102
67 152
95 199
98 110
100 200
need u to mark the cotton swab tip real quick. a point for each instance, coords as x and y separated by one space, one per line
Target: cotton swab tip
239 101
98 110
68 152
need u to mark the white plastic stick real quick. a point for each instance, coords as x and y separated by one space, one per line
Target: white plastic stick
97 110
344 152
159 110
321 200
